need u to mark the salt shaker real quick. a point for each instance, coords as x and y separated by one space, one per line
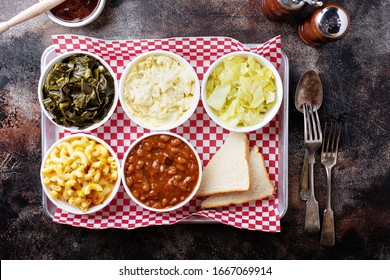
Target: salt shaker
282 10
327 24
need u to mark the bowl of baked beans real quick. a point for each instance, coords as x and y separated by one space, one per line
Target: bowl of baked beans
161 171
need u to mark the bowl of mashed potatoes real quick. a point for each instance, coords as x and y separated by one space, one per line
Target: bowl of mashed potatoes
159 90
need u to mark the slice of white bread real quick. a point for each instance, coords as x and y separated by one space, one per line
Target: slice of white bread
228 169
261 186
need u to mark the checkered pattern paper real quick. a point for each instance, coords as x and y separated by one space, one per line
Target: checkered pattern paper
119 132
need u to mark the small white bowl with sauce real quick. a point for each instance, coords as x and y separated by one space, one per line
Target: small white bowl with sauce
76 13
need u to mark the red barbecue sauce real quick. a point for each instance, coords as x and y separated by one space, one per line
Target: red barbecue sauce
75 10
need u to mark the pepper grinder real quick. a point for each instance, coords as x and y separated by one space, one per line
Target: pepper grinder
327 24
282 10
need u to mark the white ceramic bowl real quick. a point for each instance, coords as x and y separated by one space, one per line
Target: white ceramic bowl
193 103
94 15
268 116
65 205
177 206
42 80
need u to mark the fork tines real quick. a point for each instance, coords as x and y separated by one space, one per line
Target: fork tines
312 127
332 131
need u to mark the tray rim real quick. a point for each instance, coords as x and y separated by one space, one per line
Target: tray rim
49 209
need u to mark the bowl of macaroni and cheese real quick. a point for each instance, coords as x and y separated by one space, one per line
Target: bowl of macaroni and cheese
78 91
80 174
161 171
159 90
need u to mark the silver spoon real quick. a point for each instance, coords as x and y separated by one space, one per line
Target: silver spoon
309 91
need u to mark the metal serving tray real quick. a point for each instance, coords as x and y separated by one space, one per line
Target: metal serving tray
49 136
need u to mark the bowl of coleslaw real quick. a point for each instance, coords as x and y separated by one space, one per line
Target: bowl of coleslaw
159 90
242 91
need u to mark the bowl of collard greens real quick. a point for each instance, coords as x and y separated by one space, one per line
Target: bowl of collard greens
78 91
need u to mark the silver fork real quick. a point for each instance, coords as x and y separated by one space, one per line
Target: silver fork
329 153
313 140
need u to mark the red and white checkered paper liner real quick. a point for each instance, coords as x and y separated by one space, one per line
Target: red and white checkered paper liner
200 130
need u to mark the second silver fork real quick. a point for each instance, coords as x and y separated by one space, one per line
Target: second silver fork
329 153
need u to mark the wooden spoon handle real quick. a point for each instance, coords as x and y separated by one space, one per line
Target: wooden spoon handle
30 13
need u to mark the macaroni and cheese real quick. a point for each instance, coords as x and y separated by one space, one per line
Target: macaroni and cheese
80 171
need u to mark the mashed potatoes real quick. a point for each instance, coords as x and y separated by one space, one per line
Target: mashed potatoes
158 90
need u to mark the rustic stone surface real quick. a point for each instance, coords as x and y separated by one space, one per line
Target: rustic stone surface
355 74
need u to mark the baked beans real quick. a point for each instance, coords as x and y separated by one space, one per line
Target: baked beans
161 171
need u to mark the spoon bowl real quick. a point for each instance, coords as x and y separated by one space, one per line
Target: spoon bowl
309 91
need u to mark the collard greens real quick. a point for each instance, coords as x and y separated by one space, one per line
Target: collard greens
78 91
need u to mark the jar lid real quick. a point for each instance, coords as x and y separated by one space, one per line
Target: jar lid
333 21
291 4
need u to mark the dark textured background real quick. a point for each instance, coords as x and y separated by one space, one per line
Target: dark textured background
355 74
